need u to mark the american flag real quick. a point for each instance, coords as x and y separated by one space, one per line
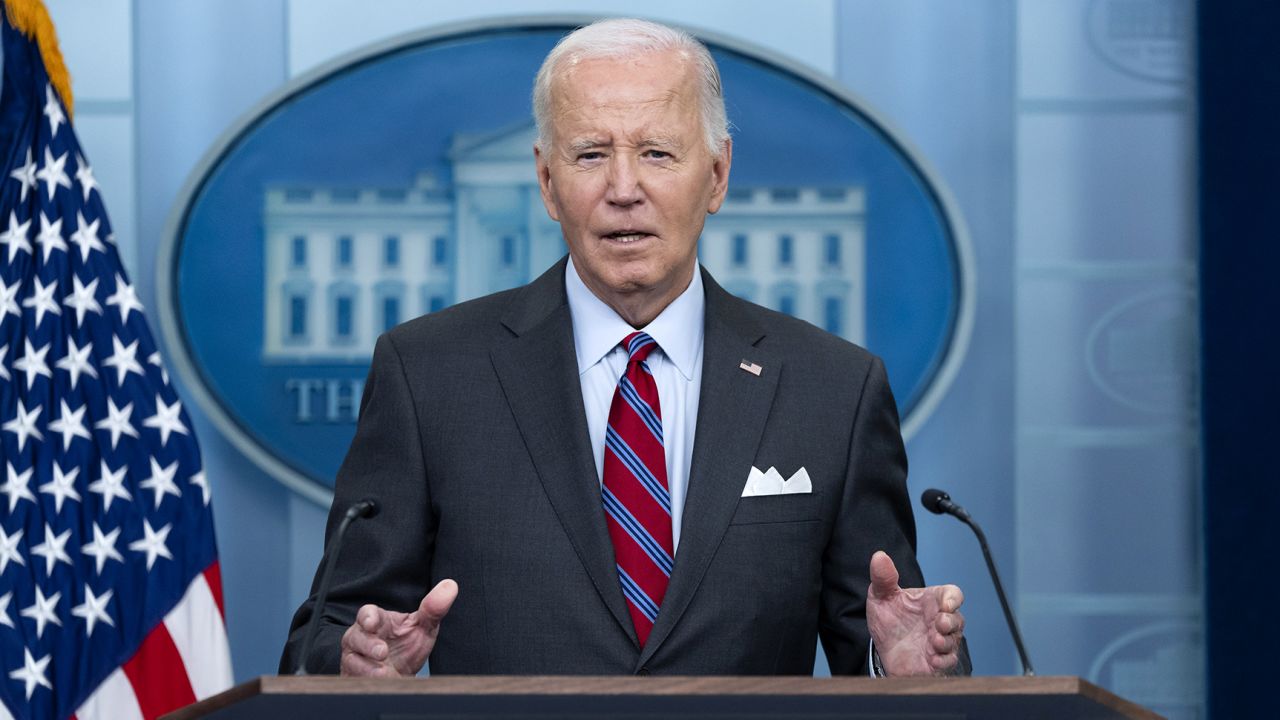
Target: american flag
110 597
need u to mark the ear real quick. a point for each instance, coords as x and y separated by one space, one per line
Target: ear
720 177
543 165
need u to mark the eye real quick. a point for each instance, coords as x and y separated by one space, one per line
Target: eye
590 155
657 154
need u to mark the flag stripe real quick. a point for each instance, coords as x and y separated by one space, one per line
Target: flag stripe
213 576
158 676
113 700
201 639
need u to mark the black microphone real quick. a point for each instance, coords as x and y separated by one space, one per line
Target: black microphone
365 508
938 502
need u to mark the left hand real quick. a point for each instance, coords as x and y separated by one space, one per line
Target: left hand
917 631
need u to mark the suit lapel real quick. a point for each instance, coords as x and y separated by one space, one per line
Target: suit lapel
538 371
732 410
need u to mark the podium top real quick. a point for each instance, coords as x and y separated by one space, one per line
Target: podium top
976 698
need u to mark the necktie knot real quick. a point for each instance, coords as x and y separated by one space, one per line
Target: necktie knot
638 345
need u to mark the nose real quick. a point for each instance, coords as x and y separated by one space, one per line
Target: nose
624 180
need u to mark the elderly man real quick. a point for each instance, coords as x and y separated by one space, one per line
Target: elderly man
574 467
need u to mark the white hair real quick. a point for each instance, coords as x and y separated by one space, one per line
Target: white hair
625 38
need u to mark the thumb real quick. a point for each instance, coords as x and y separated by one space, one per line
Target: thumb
435 605
884 576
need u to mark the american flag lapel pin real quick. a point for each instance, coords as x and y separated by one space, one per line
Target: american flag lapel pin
750 367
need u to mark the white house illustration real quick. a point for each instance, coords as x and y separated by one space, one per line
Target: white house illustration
343 265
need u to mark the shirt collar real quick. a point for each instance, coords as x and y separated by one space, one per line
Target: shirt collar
597 329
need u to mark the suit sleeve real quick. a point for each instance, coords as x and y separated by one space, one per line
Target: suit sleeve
874 514
386 560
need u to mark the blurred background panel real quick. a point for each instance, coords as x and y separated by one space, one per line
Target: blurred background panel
1065 133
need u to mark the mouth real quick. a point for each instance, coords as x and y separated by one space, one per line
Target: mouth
626 236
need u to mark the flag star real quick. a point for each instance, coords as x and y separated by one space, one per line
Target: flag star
83 298
16 486
86 236
93 609
5 617
50 237
24 425
9 299
200 481
53 549
152 359
33 363
53 110
103 547
42 300
26 175
63 484
4 371
16 236
76 361
32 672
124 359
166 419
71 425
117 422
153 543
84 174
110 485
54 172
9 549
125 298
161 481
43 610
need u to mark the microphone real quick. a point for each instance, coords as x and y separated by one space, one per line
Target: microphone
365 508
939 503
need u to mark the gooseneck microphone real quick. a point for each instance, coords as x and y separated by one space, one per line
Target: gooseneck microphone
365 508
938 502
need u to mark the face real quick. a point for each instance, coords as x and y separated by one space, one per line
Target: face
630 179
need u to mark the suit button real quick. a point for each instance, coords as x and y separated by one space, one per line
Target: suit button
643 671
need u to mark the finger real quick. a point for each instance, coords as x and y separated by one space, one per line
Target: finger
884 576
950 598
436 604
944 644
943 663
949 623
372 620
360 666
356 641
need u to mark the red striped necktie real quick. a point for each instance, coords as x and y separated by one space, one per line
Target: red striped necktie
637 500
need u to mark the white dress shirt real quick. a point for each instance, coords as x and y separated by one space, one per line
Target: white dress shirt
676 367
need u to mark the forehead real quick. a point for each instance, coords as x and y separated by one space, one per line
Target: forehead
633 90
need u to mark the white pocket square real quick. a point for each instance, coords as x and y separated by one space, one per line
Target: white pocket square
770 482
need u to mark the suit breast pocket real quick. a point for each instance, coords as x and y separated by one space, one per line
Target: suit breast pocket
778 509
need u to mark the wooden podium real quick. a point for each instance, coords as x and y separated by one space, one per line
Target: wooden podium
679 698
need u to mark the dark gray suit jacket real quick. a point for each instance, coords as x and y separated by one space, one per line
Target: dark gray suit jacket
473 438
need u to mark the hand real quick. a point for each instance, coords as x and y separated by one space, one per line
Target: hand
917 631
383 643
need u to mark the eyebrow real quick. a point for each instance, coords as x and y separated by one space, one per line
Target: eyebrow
586 144
653 141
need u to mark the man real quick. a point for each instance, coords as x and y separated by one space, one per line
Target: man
479 427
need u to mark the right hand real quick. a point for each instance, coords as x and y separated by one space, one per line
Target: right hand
383 643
